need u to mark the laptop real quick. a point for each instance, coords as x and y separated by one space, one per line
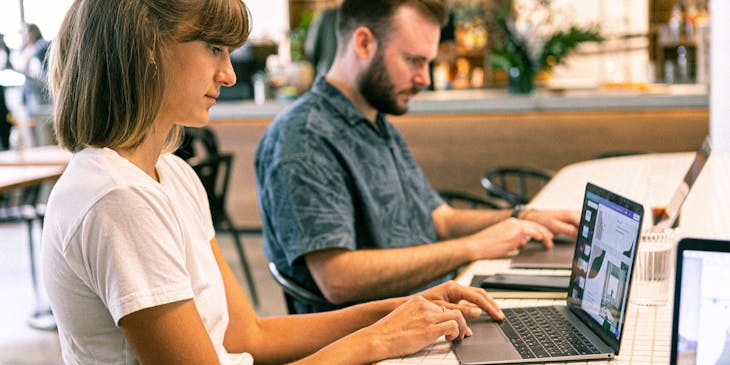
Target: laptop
701 320
668 217
535 256
591 323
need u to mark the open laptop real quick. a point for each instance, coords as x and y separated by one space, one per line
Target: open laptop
701 323
668 217
535 256
591 323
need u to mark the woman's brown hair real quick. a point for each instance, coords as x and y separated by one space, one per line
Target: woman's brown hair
106 70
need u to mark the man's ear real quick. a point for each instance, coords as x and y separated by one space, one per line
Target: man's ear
364 43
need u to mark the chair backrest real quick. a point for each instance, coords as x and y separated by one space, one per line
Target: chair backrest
198 143
20 204
199 148
618 153
214 172
292 289
458 199
515 184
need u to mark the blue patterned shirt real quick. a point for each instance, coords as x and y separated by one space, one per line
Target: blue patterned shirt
327 177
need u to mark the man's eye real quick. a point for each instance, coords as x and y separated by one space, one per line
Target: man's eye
414 61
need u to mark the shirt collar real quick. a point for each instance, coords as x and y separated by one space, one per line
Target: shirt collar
347 109
351 113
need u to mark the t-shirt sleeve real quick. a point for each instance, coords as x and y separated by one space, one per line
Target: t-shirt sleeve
133 252
310 205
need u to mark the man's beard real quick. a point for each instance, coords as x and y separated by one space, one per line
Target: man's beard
375 86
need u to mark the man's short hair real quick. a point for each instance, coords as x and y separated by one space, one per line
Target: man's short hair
376 15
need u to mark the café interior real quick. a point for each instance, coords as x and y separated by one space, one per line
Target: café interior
644 83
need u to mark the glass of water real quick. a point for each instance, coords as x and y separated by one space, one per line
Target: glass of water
654 265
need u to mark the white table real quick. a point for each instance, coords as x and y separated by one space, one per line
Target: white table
706 213
15 177
36 156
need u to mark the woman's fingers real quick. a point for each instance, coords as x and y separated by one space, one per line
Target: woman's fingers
469 300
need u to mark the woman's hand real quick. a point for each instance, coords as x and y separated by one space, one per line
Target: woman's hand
414 325
430 314
469 301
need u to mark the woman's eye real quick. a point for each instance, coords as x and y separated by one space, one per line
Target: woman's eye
216 50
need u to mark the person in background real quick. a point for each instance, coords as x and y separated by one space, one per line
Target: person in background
321 43
36 98
133 270
34 67
346 210
5 124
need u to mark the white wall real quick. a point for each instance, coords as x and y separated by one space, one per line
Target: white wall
47 14
720 84
270 19
271 22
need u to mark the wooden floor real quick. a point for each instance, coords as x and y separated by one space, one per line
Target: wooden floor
23 345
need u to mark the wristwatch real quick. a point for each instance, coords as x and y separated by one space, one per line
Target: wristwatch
517 210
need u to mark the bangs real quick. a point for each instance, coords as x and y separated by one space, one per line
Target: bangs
221 22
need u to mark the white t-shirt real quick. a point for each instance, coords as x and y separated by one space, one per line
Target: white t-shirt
115 241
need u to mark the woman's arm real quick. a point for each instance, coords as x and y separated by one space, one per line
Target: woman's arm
359 334
287 338
171 333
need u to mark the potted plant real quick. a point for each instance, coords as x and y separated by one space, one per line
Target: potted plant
526 41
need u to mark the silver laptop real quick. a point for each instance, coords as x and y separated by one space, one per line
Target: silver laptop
668 218
535 256
591 323
701 320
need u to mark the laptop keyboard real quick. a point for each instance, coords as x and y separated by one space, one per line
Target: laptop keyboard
539 332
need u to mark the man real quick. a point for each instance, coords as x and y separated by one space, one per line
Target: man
346 210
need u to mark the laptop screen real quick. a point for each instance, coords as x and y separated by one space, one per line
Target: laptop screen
603 261
701 328
669 215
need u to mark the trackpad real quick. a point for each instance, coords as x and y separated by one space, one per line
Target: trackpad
485 330
488 344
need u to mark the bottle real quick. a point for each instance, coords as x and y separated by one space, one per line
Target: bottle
675 22
682 64
703 46
259 87
668 72
690 23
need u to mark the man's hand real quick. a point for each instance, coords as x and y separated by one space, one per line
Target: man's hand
563 222
503 238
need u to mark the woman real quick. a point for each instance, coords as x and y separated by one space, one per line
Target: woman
132 267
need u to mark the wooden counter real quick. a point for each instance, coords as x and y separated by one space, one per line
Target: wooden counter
456 137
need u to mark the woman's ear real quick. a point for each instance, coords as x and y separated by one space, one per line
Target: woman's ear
364 43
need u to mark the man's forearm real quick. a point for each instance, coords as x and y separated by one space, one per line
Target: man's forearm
453 223
346 276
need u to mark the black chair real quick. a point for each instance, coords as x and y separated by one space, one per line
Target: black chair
618 153
21 205
24 206
200 150
458 199
515 184
293 291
